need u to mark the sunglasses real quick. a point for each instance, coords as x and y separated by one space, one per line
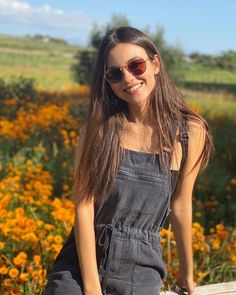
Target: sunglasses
136 67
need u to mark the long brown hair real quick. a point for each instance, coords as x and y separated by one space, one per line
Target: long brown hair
101 153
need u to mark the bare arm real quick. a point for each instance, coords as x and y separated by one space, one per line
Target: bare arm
85 240
181 207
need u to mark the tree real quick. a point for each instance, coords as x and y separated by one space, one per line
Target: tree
173 56
82 69
117 20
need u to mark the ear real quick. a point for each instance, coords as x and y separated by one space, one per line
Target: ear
156 64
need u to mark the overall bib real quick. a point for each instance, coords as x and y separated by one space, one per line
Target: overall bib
127 224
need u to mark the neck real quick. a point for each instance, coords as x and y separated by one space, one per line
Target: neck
139 115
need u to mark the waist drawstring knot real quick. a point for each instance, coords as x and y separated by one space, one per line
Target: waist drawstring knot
107 241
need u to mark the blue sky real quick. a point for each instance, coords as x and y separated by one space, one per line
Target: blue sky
206 26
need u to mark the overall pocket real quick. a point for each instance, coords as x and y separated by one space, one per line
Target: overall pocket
140 193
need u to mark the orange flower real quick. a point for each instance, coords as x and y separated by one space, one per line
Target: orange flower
7 282
36 259
3 270
13 273
24 276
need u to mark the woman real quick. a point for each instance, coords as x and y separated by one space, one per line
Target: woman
138 157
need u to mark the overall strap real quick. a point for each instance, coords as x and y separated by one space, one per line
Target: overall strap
184 142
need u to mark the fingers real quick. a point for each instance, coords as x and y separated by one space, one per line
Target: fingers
179 290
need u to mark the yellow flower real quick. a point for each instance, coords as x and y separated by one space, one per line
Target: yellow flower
58 239
233 181
24 276
3 270
66 187
2 245
7 282
22 255
196 225
13 273
20 259
201 275
14 291
19 212
219 226
40 223
48 226
36 259
233 258
216 244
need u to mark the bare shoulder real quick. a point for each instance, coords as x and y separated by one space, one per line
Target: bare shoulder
196 129
197 143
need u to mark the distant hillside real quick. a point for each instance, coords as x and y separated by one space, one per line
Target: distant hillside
37 43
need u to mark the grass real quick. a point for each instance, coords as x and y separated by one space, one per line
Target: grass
201 73
213 104
49 63
28 43
48 71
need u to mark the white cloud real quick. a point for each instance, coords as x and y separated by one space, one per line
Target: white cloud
16 12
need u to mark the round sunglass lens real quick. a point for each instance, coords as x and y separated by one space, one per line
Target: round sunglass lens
114 75
137 67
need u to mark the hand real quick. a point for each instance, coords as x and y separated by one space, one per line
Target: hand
185 282
94 293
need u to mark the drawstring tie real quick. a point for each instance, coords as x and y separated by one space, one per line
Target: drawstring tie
107 241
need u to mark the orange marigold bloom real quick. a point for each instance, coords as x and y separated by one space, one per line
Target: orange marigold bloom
14 291
2 245
19 212
24 276
219 226
58 239
216 244
36 259
233 258
233 181
3 270
13 273
7 282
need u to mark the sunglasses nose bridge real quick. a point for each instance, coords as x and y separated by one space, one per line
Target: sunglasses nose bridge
127 74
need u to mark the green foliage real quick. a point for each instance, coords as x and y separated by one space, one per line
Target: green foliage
18 87
226 60
36 43
46 39
117 20
173 56
83 68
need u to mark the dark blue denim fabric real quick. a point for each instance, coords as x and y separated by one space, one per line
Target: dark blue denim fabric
127 224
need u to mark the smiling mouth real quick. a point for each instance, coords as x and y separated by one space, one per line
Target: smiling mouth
134 88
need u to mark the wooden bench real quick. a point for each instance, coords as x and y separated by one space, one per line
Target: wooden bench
214 289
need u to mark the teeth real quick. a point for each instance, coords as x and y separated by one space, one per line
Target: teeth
132 89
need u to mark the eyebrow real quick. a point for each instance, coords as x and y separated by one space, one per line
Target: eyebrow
133 58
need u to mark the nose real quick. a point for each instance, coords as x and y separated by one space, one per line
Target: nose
127 76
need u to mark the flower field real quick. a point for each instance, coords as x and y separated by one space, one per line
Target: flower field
38 137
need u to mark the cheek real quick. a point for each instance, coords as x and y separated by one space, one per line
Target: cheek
152 81
116 89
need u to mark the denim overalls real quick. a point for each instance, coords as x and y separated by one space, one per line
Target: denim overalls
127 224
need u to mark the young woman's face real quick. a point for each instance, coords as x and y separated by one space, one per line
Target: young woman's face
134 89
